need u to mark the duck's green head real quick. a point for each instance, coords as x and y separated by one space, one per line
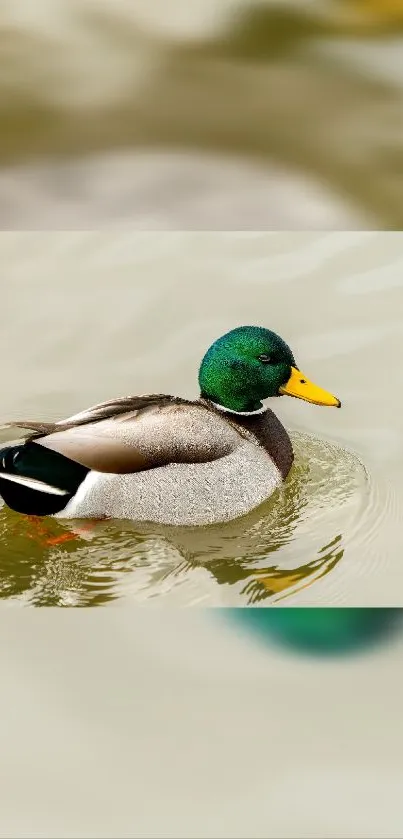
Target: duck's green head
251 363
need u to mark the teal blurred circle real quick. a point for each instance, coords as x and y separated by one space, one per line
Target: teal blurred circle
321 631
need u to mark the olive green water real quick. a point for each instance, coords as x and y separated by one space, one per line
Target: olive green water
91 316
238 115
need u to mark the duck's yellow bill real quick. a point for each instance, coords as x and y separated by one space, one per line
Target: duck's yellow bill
300 387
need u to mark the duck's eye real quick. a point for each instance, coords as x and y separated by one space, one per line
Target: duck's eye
265 358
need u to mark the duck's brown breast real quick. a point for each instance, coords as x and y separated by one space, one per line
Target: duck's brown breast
271 434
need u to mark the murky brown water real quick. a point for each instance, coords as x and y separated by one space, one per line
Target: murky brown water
90 316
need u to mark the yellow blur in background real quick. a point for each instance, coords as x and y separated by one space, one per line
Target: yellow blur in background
378 12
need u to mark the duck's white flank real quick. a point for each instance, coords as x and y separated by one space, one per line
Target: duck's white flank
181 493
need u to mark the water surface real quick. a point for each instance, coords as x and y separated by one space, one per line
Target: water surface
90 316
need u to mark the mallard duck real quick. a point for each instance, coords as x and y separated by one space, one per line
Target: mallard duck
164 459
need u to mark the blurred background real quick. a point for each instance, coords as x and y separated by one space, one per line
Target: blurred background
216 116
239 114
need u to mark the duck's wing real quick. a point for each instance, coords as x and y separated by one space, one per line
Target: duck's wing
103 410
137 433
